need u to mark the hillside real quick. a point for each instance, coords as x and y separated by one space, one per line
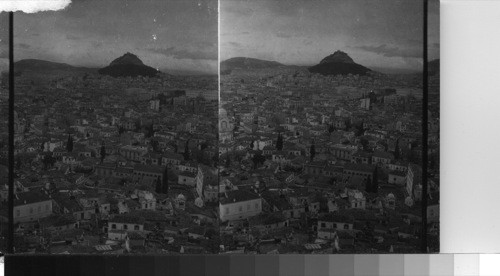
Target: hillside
339 63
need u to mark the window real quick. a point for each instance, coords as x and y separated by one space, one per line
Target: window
334 225
136 227
125 227
346 226
323 225
113 226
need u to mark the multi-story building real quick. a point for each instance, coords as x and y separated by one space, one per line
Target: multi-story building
239 204
31 206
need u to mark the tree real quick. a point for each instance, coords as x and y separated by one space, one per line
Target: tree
48 161
257 159
331 128
279 142
103 153
312 151
375 181
396 150
158 187
203 146
347 124
164 186
154 145
228 161
365 143
150 131
360 130
186 150
69 144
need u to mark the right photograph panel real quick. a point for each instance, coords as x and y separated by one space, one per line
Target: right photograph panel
320 127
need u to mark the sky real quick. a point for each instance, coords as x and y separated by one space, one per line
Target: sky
385 34
4 41
176 35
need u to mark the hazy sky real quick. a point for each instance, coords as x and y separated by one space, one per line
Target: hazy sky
384 33
172 34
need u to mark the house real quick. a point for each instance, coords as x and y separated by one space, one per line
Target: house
414 182
335 222
58 222
361 157
146 199
187 178
357 200
268 222
239 204
31 206
132 152
119 225
396 177
148 173
364 170
382 158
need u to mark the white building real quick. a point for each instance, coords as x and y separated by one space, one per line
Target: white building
239 204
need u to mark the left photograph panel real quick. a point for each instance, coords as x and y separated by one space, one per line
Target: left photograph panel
116 113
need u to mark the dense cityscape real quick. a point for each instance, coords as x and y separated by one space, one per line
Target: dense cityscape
323 164
97 156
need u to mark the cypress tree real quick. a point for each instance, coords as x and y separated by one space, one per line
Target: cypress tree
396 150
312 151
103 153
158 187
279 142
330 128
69 144
164 186
186 151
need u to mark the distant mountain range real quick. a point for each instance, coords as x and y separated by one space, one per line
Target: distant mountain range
128 65
338 63
43 66
247 63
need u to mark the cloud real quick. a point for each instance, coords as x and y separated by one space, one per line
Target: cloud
32 6
392 51
186 54
23 46
73 37
235 44
283 35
